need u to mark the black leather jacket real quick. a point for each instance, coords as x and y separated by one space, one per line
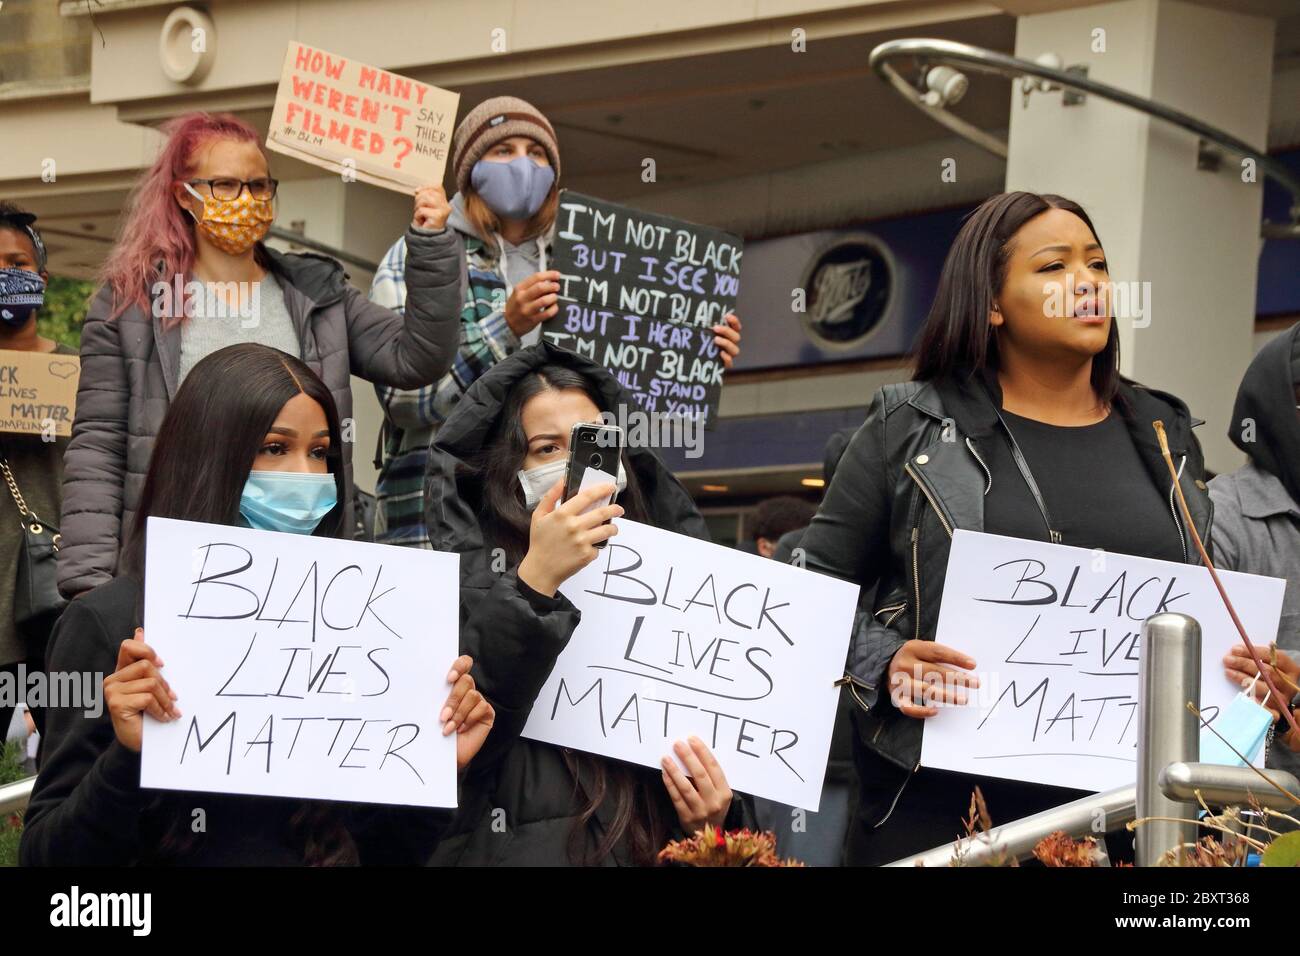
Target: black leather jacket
911 475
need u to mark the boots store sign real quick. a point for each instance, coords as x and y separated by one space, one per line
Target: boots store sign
847 290
844 294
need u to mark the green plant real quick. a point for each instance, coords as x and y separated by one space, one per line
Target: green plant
11 762
64 310
11 831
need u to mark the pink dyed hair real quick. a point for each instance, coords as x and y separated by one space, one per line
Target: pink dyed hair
156 230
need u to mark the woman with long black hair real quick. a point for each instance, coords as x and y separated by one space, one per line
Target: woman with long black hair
492 495
252 438
1017 422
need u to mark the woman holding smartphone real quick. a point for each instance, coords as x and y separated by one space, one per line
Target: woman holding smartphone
1017 422
252 439
493 495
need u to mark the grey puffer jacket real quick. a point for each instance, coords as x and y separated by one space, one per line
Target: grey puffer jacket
129 375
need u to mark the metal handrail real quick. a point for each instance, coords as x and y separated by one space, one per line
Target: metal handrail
1220 786
1016 840
15 796
990 61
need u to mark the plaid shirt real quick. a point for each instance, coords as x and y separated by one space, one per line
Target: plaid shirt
414 415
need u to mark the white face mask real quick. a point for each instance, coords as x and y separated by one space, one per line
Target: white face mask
538 481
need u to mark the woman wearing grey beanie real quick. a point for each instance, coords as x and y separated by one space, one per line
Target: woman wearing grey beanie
506 163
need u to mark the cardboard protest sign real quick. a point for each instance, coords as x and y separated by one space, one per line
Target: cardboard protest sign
679 637
638 294
38 392
304 666
1055 634
342 115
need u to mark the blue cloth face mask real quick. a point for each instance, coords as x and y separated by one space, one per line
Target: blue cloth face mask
21 294
513 190
287 500
1244 724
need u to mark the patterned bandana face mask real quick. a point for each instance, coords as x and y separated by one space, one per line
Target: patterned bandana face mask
21 294
234 225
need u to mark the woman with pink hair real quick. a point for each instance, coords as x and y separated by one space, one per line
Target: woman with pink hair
190 275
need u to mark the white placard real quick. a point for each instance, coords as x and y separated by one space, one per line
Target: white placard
1059 679
304 666
678 637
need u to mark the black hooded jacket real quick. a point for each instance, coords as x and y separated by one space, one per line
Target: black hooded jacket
520 801
1264 423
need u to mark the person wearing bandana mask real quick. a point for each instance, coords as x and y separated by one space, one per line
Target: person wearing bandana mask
506 163
252 439
191 274
37 465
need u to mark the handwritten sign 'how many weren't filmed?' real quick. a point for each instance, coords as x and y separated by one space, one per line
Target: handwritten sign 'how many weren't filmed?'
304 666
639 295
679 637
376 126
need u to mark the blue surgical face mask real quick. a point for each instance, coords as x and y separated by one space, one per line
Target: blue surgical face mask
22 293
287 500
1244 724
513 190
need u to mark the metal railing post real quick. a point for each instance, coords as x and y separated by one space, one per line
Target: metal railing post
1169 675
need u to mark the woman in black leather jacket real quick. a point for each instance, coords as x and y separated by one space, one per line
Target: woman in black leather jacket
1017 422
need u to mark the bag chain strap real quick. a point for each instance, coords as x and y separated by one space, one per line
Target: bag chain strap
28 517
13 488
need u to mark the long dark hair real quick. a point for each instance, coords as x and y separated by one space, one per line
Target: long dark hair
957 340
211 435
639 813
201 459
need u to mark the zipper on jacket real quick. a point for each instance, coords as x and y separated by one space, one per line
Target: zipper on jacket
1053 536
896 608
916 579
988 486
890 812
928 497
1173 509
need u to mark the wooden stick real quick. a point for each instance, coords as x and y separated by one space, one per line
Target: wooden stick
1285 702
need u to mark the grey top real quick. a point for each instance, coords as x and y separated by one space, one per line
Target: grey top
257 315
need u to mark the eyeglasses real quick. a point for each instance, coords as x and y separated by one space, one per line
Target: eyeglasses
226 189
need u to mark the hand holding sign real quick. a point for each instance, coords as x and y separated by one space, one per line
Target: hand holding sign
562 539
728 339
704 796
467 713
919 676
136 688
431 208
533 301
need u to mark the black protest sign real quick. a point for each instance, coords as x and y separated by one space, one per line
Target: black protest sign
639 294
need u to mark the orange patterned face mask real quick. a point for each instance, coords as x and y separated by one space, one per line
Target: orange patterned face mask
234 225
